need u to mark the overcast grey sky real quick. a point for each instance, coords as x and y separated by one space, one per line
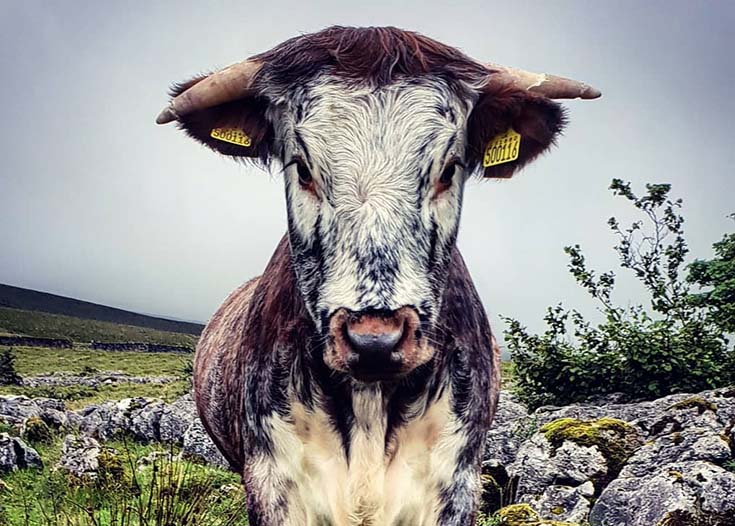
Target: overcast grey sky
99 203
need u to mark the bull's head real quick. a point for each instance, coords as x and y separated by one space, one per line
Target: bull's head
377 131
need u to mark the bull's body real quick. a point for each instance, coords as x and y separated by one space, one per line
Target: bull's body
352 384
314 447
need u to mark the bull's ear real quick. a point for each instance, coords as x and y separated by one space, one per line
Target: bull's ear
237 128
509 129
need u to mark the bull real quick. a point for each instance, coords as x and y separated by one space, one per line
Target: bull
354 381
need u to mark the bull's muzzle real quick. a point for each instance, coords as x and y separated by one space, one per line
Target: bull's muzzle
376 345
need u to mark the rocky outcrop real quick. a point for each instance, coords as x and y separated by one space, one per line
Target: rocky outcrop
142 419
92 380
198 445
16 409
140 347
176 418
667 462
683 493
15 454
80 457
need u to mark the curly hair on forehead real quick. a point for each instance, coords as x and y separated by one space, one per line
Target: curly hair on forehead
374 54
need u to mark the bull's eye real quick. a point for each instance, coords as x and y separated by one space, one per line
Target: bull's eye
445 179
305 179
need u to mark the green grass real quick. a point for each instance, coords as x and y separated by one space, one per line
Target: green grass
167 492
506 373
41 324
31 361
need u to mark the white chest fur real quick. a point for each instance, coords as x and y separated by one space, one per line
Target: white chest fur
374 487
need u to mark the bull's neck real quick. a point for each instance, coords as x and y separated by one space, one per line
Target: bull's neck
284 335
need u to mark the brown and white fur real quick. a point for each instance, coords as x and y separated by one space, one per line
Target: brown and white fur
325 450
352 384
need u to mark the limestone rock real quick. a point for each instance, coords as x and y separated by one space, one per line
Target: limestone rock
571 452
540 465
15 454
107 420
145 422
563 503
688 444
16 409
198 445
54 418
176 419
511 426
687 493
80 457
92 380
659 464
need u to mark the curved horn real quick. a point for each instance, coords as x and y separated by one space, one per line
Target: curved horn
549 86
228 84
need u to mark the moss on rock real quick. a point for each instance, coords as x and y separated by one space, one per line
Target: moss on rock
616 440
517 514
36 430
523 515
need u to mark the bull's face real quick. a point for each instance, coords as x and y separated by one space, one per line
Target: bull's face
374 170
374 181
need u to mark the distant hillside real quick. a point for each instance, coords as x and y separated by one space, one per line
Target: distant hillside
44 325
31 300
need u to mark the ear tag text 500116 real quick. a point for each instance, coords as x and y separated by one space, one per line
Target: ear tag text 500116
502 148
231 135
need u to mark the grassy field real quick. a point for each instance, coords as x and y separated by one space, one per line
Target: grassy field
165 493
41 324
30 361
37 360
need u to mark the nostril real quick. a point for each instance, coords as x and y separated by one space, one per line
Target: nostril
380 343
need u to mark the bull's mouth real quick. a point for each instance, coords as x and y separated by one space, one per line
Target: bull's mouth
375 346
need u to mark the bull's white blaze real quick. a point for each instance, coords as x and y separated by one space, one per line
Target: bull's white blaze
376 487
375 155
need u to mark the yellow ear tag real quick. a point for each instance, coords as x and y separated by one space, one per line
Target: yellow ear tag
231 135
502 148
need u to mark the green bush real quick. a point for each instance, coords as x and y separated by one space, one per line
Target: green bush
675 346
8 374
718 276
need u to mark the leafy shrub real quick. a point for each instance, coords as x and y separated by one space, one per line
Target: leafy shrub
675 346
717 274
8 374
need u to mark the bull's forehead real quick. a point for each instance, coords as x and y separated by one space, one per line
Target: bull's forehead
370 143
375 232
